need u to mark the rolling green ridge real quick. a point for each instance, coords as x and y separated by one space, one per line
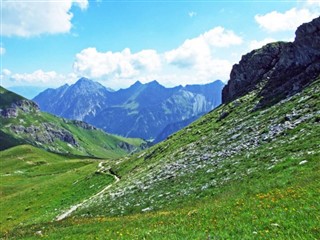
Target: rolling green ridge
25 124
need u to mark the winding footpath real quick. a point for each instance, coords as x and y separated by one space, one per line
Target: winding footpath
75 207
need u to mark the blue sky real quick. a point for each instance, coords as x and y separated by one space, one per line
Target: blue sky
50 43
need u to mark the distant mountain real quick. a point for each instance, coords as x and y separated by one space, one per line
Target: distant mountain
22 122
142 110
77 101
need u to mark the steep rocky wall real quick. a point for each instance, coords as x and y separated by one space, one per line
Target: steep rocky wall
281 68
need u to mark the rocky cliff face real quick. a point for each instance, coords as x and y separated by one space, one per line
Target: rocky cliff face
280 68
20 105
45 133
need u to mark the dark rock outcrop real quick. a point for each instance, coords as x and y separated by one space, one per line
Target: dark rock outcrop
23 105
45 133
83 125
26 106
127 147
9 112
280 68
55 132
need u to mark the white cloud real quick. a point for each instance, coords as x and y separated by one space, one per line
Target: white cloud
91 63
220 37
192 62
6 72
4 75
313 2
258 44
287 21
199 50
37 78
30 18
83 4
214 69
189 53
2 50
198 54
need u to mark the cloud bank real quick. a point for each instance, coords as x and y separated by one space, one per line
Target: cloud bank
93 64
37 78
31 18
192 61
287 21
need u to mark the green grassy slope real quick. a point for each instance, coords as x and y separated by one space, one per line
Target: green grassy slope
235 173
31 127
36 185
8 97
213 153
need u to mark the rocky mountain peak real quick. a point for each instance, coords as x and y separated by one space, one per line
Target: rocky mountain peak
154 86
84 80
308 34
87 83
280 68
154 83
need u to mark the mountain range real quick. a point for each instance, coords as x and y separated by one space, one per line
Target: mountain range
142 110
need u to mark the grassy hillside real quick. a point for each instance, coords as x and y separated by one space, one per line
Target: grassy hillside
238 172
8 97
232 143
22 123
36 185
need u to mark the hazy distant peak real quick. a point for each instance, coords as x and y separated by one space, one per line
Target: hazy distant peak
84 80
216 82
85 83
154 82
137 83
64 86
